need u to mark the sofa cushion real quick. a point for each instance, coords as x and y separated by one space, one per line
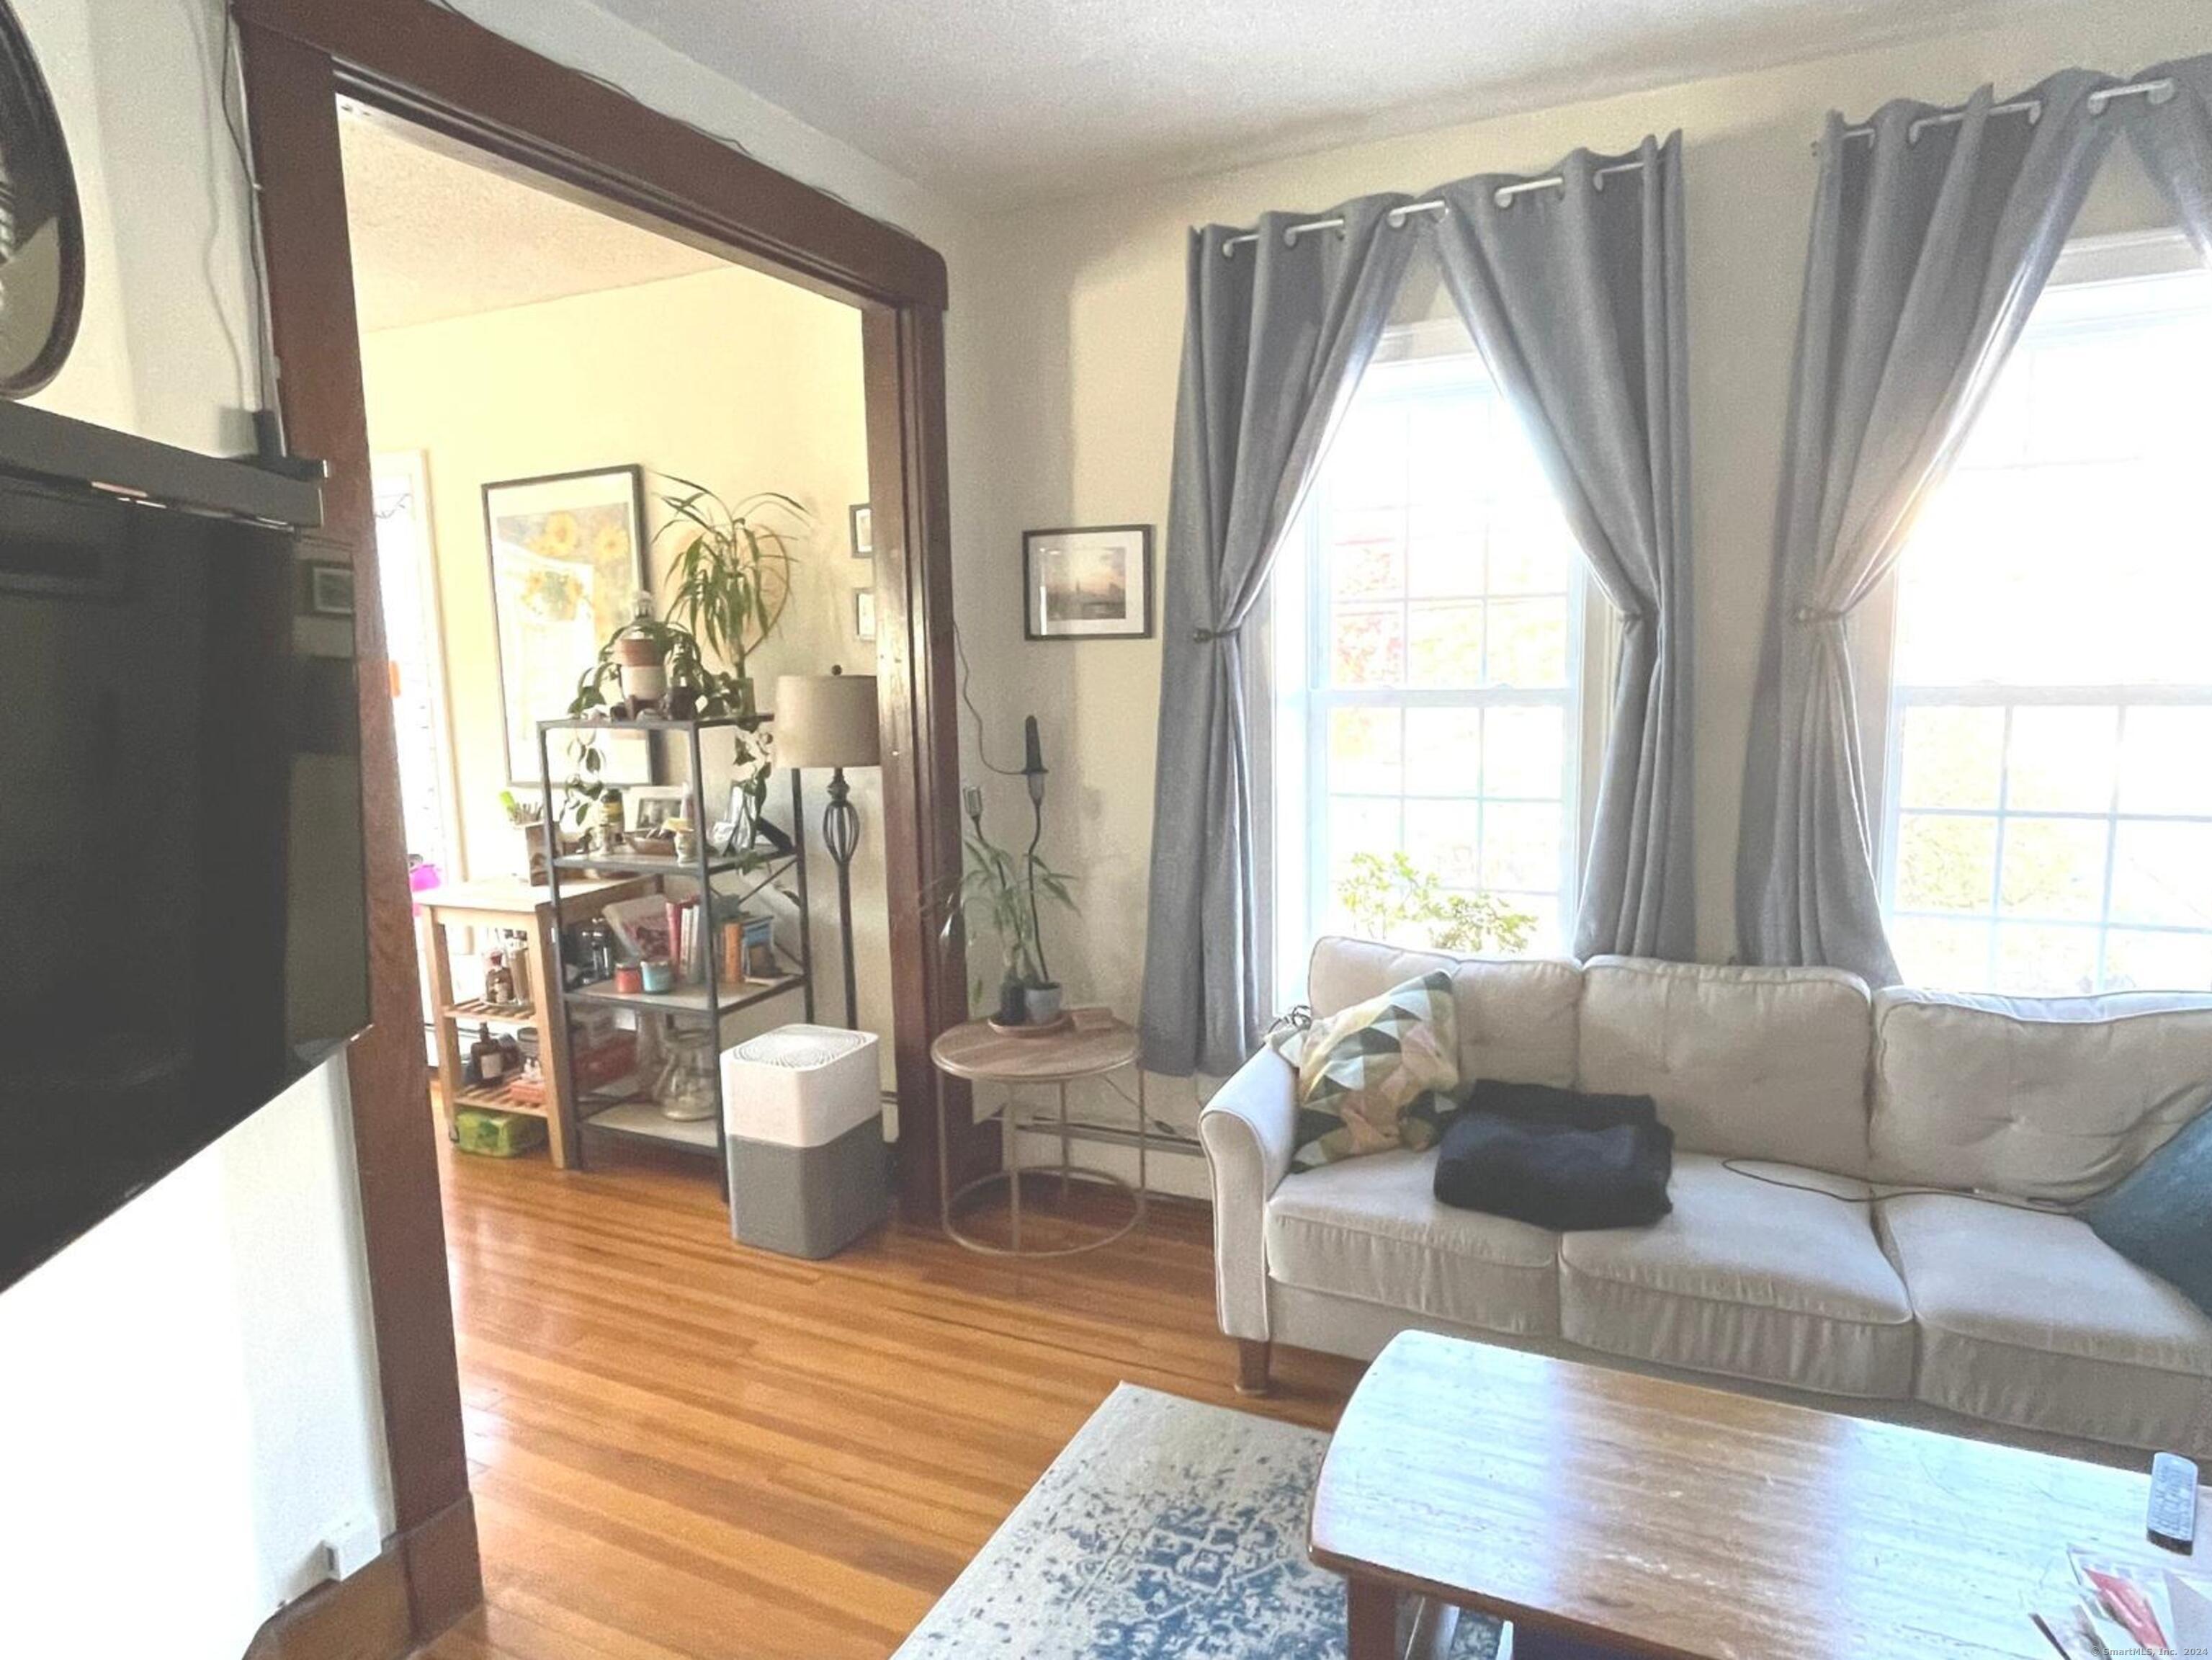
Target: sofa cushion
1516 1017
1749 1279
1372 1077
2051 1098
2027 1318
1372 1229
1749 1062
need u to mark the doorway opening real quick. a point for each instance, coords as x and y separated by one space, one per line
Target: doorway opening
576 421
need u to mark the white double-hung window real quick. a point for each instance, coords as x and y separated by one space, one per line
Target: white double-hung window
1429 644
2047 822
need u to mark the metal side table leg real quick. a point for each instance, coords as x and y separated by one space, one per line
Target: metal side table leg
1066 1157
1009 1142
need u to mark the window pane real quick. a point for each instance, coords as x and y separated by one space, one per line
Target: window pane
1442 838
1945 864
2046 962
1367 556
1448 447
2166 761
2053 868
1444 560
1359 826
1548 935
1367 462
1443 748
1367 646
1528 642
1525 753
1941 955
2061 760
1531 549
2157 962
1364 752
1446 644
1520 847
1952 757
2162 873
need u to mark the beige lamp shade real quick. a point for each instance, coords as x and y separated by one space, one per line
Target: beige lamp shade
827 721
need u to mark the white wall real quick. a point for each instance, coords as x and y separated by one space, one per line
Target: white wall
188 1402
1085 304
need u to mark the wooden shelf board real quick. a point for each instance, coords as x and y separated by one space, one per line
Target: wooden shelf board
475 1008
496 1098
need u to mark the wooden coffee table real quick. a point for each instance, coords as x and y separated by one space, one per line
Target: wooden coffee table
1604 1513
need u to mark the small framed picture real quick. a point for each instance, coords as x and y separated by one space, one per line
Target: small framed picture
1088 584
864 613
330 590
864 530
647 807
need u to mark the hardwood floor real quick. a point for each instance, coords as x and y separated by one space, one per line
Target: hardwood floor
682 1448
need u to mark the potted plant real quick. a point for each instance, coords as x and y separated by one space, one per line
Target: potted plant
1392 899
730 578
730 581
1001 891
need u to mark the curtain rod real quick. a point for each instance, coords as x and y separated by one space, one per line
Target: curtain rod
2160 91
1397 217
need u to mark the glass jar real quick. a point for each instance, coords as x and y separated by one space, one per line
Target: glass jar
685 1089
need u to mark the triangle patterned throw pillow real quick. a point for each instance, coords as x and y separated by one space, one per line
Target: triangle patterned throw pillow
1365 1071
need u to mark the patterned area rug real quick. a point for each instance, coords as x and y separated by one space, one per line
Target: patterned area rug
1165 1531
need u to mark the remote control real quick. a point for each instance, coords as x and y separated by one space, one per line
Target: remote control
2172 1502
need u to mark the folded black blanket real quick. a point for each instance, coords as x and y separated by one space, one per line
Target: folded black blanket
1557 1158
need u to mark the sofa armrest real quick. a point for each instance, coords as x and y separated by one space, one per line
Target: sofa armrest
1249 1129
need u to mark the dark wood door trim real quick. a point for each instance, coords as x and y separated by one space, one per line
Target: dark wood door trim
903 356
455 77
296 147
413 59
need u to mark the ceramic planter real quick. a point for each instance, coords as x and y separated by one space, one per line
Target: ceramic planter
643 666
1042 1003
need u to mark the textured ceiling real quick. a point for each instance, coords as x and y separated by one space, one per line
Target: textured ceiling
436 237
1003 101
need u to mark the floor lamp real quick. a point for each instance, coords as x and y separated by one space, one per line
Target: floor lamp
829 721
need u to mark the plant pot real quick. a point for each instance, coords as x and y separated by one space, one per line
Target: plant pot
1042 1003
643 663
1013 1004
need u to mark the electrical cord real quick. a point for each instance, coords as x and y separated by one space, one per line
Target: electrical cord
968 699
261 368
2041 1207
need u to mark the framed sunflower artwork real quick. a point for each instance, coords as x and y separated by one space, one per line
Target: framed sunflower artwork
568 562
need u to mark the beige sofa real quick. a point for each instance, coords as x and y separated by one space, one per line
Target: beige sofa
1934 1308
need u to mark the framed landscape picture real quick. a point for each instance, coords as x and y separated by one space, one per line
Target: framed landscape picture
1088 584
568 561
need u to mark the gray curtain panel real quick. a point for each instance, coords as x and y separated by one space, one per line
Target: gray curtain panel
1931 242
1276 334
1576 297
2174 139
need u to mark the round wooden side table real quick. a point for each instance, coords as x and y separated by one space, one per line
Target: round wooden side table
1095 1044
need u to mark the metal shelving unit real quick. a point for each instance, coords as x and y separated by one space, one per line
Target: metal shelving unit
630 1114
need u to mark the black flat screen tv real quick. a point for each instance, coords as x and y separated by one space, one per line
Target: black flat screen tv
183 922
